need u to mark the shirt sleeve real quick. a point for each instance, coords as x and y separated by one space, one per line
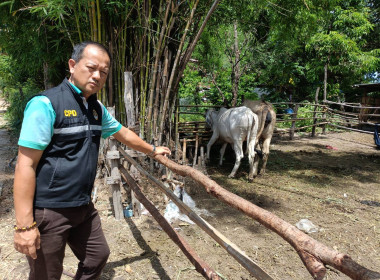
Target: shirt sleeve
109 124
38 124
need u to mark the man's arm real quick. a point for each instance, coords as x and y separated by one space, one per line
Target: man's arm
132 140
26 242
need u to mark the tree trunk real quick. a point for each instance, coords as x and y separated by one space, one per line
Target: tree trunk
235 79
325 83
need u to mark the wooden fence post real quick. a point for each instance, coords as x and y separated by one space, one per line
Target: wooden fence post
196 146
177 143
128 99
184 151
294 117
315 112
115 179
324 118
131 122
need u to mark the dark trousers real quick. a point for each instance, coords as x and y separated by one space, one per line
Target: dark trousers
81 229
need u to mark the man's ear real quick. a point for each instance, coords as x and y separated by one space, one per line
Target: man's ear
71 65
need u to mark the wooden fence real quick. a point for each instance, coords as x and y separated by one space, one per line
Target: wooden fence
314 255
304 117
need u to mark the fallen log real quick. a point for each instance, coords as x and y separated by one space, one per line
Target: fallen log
313 254
201 266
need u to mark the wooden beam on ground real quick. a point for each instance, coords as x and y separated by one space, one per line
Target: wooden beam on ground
201 266
352 129
314 254
230 247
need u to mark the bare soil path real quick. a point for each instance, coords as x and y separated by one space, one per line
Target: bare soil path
332 180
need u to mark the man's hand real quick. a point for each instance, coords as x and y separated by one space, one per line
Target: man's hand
132 140
162 151
27 242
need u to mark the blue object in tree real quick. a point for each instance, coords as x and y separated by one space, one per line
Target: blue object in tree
289 111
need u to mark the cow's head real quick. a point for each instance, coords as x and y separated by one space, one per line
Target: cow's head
209 117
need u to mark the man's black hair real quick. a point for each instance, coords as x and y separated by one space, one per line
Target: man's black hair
77 53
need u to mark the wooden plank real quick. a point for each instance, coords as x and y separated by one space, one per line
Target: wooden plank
128 99
352 129
112 155
346 105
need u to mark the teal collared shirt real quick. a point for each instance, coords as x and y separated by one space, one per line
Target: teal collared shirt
75 88
38 123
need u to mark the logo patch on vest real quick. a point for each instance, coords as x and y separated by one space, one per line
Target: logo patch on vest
70 113
96 117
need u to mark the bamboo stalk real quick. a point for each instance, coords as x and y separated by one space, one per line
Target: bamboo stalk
99 22
77 24
167 62
156 55
174 71
191 48
93 21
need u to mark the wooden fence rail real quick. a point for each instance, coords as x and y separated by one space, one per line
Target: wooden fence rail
230 247
314 255
349 116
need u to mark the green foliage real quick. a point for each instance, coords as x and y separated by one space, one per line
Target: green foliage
15 93
305 114
17 99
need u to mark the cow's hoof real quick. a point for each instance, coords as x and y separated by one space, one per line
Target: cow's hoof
231 176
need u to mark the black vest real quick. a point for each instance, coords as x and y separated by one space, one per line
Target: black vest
66 172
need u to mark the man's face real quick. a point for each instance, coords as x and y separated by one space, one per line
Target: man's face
90 73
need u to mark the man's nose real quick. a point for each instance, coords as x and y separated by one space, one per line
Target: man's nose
96 75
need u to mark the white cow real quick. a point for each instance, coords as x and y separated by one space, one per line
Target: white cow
234 126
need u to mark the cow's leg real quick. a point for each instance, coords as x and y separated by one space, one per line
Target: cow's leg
265 149
239 155
222 150
252 157
255 164
214 137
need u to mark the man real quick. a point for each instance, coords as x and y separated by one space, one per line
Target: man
55 171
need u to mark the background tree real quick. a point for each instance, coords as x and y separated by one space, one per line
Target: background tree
288 47
153 40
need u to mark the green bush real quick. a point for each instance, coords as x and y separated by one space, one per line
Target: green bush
16 94
17 97
304 111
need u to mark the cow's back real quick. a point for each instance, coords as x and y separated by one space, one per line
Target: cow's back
257 107
233 124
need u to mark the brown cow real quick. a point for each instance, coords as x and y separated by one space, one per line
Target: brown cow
267 121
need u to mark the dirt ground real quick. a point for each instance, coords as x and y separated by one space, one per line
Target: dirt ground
333 180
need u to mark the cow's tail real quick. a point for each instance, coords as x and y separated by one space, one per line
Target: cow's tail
263 117
252 136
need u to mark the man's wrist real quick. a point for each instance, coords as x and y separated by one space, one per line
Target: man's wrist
153 151
25 228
